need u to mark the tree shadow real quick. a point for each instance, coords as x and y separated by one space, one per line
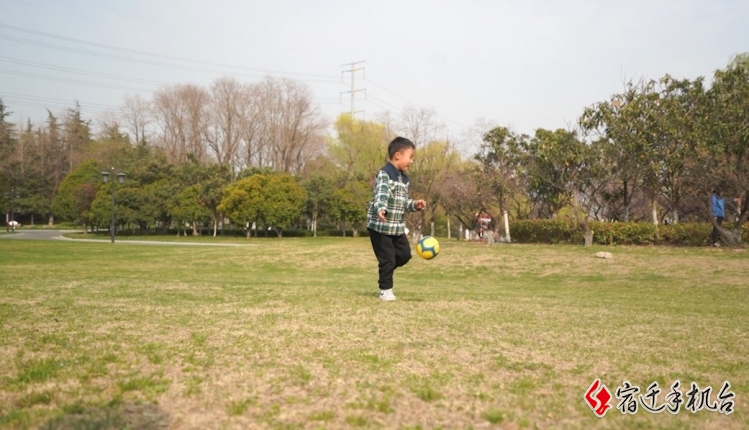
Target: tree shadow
125 415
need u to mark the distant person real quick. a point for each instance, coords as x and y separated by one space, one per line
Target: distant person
719 212
386 214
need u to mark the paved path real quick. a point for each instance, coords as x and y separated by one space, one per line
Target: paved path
58 235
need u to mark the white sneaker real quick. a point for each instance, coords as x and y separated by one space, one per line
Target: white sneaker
387 295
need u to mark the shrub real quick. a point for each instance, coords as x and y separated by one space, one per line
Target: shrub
616 233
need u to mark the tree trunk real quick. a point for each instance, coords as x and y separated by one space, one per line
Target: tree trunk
215 226
588 236
194 229
279 232
314 222
654 207
626 202
51 220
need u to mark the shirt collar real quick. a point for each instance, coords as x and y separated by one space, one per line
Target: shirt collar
393 173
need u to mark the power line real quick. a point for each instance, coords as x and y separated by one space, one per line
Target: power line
141 61
149 54
12 95
80 72
411 102
380 102
140 18
50 106
73 81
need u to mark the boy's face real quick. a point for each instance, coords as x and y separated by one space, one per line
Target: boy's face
403 159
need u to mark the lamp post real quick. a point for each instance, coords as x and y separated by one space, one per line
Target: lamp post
11 195
107 177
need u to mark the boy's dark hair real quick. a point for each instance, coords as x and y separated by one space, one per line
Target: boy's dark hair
399 144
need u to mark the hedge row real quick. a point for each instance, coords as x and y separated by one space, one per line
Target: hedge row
617 233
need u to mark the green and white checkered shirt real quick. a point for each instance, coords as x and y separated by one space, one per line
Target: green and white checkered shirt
390 193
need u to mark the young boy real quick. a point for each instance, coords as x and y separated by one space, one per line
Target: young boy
386 211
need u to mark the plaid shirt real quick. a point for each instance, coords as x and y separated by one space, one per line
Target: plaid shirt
391 194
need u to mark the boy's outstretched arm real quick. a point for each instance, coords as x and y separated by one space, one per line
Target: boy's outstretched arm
415 205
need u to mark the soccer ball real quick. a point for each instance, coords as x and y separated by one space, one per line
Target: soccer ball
428 247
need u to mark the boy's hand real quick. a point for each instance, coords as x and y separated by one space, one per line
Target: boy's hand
381 215
420 204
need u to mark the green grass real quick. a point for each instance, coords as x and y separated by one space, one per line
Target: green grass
290 334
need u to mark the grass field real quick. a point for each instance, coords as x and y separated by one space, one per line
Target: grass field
290 334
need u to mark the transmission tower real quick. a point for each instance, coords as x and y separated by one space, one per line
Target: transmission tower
353 69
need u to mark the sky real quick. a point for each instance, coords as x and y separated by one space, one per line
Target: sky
520 64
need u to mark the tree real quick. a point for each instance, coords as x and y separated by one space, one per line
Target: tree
76 194
319 197
189 207
360 148
617 124
7 147
76 136
101 212
180 113
46 166
242 201
135 112
679 126
419 126
501 179
433 164
224 130
291 123
210 180
348 204
217 178
460 195
160 195
728 139
567 169
7 141
282 202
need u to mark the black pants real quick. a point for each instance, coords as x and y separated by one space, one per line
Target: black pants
391 252
716 233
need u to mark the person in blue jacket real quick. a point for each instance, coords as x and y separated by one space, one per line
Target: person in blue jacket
719 213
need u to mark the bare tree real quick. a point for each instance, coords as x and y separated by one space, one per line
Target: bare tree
251 137
225 128
180 112
420 125
292 125
136 116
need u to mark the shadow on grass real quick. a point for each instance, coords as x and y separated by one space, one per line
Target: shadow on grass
144 416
